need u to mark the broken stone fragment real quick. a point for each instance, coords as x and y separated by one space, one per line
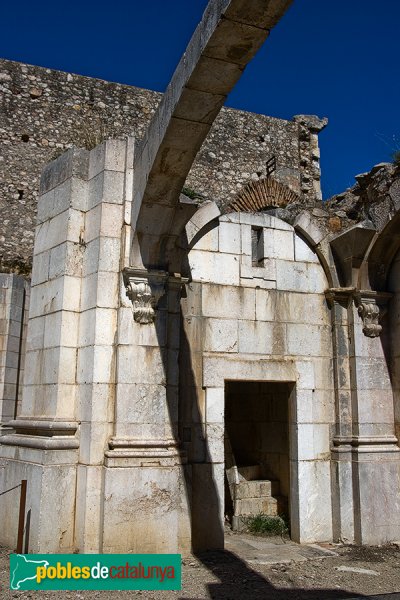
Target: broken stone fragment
313 122
35 93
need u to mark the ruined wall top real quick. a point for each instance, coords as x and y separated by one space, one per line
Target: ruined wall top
374 198
44 112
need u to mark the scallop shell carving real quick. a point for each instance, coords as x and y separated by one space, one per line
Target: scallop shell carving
261 194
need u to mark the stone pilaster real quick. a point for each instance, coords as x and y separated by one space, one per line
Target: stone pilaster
14 304
44 447
365 455
144 449
109 189
343 519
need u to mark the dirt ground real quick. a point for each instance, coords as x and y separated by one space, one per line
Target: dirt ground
224 575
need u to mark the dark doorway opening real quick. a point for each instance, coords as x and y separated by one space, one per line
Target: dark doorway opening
257 455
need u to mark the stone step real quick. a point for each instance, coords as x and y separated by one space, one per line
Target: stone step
253 506
256 489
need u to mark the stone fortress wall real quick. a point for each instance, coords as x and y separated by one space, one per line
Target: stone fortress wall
44 112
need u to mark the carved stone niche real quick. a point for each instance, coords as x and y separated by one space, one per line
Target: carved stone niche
371 308
144 289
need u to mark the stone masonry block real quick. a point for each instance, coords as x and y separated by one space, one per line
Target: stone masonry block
217 370
141 403
97 326
100 289
66 259
228 301
94 437
107 186
311 441
213 267
259 337
96 160
35 333
300 277
323 372
229 238
375 406
315 510
58 366
62 293
96 402
215 442
303 252
257 275
95 364
305 375
314 406
143 364
278 244
215 405
221 335
71 194
60 329
75 162
40 267
209 241
309 340
67 226
372 373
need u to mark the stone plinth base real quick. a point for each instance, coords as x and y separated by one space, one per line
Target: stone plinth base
50 501
366 483
146 507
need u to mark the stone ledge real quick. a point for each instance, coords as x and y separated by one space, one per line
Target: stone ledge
40 442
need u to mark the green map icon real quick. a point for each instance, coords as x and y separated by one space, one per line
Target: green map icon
24 569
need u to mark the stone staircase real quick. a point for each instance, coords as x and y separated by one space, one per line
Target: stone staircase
251 494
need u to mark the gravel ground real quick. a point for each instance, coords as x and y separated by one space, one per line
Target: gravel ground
222 575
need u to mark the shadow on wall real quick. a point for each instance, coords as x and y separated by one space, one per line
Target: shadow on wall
188 428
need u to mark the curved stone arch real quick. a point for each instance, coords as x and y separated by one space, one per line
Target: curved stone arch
308 229
201 222
261 194
379 256
228 36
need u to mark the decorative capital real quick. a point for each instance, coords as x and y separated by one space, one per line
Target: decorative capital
370 313
371 308
144 289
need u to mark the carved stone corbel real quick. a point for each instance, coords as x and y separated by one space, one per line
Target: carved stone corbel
371 308
144 289
370 313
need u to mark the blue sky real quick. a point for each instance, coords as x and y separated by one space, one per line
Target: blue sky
334 58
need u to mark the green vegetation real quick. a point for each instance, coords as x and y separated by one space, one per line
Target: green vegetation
263 524
189 193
